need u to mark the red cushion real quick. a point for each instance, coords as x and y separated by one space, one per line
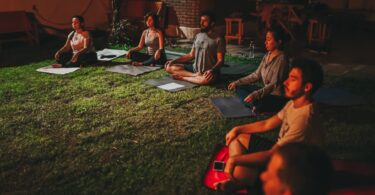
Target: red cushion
351 177
213 176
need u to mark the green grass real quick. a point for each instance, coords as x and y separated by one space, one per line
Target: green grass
93 131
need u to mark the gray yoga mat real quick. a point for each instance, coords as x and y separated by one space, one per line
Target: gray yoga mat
337 97
170 84
231 107
132 70
237 69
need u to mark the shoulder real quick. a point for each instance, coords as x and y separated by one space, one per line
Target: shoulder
71 34
307 112
281 60
86 34
265 56
160 33
282 56
288 105
218 36
200 34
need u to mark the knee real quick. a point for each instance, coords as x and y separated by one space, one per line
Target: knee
244 139
205 81
168 68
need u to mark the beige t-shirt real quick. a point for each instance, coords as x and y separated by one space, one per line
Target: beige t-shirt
300 125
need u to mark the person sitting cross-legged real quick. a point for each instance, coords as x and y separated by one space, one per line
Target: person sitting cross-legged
153 38
208 51
299 121
78 48
272 70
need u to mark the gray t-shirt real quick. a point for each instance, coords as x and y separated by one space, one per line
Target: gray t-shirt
300 125
206 48
272 74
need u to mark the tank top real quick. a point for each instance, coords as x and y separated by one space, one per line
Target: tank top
77 41
151 41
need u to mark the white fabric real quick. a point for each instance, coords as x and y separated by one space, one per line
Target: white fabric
171 86
300 125
61 71
106 52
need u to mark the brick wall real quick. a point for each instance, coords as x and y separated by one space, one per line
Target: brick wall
187 11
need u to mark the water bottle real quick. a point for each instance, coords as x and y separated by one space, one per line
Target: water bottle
251 50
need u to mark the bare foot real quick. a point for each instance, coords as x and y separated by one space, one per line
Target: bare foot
56 65
197 74
177 77
225 186
137 64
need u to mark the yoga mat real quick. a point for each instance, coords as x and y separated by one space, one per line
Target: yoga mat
170 84
337 97
132 70
60 71
231 107
237 69
172 55
109 54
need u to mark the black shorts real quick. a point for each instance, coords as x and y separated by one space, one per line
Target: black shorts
258 144
190 68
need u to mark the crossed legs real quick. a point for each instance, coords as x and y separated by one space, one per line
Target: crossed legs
242 176
178 72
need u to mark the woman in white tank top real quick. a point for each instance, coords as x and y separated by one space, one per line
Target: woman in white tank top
153 38
78 48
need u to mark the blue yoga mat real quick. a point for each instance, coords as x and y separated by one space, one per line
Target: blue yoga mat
231 107
337 97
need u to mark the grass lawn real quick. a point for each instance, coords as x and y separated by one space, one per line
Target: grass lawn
93 131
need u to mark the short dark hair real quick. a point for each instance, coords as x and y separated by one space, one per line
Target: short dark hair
306 169
79 18
312 72
278 35
210 14
154 17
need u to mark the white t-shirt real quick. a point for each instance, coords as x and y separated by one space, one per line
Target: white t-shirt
300 125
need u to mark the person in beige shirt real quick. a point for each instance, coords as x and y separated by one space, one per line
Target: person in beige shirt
298 121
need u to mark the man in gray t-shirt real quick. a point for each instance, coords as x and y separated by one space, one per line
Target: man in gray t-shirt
299 122
208 51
